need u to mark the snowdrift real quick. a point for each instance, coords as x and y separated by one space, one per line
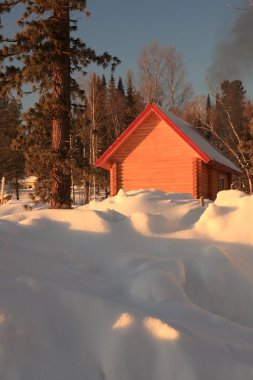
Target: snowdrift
144 285
229 218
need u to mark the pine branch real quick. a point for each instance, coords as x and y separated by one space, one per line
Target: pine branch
8 6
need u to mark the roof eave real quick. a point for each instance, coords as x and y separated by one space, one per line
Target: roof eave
226 169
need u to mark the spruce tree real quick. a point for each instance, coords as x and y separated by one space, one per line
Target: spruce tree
121 89
233 105
208 109
232 130
114 129
130 92
11 160
134 100
103 139
46 57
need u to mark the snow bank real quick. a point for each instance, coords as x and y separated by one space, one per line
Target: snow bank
140 286
229 218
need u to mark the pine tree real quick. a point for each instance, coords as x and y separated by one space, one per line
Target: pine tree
46 55
114 129
208 109
230 106
11 160
134 101
120 87
103 140
232 128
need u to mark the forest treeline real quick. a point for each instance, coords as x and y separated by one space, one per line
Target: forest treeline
226 120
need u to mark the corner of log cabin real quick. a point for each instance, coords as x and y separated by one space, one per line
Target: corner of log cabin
113 178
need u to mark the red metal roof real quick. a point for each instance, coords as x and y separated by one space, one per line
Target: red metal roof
186 131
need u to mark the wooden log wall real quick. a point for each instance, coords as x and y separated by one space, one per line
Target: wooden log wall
155 156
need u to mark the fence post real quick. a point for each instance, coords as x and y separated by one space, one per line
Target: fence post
2 190
202 201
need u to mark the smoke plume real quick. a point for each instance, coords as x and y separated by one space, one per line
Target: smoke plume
233 55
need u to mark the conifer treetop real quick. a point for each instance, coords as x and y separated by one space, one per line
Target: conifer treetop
30 55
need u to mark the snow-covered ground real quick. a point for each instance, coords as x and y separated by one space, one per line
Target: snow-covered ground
142 286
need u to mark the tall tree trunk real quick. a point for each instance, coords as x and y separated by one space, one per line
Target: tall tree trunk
249 180
61 183
17 189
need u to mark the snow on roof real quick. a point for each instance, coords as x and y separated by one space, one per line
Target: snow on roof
202 143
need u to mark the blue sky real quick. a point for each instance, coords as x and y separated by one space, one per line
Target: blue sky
195 27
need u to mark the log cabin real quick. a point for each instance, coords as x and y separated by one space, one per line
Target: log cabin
161 151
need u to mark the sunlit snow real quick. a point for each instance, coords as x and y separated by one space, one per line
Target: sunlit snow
144 285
